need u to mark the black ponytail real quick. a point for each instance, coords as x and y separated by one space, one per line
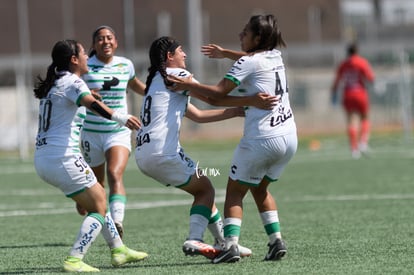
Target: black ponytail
62 53
158 57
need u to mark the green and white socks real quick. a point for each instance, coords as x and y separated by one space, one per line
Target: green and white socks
270 220
89 230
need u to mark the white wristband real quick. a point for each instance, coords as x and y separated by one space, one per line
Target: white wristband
120 118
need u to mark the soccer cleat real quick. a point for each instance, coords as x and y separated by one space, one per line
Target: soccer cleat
122 255
194 248
120 229
230 255
365 149
73 264
244 251
356 154
276 250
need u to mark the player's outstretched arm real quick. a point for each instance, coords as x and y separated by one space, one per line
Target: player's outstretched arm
211 115
217 95
259 100
215 51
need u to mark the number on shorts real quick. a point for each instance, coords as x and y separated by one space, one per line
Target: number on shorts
81 164
86 146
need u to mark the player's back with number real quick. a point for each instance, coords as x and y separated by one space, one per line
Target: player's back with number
264 71
161 115
57 128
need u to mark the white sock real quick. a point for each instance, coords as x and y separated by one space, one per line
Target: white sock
117 209
110 233
231 240
198 225
216 227
89 230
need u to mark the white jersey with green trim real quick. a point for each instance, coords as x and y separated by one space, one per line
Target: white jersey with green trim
161 114
111 80
57 128
264 72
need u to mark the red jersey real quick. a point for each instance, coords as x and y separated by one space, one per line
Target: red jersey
354 72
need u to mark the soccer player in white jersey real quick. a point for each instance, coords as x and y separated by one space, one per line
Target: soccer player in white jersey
58 159
270 138
158 151
105 142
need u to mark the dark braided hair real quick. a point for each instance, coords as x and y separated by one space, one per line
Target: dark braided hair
158 57
267 28
62 53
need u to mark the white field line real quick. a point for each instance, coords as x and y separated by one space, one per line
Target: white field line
131 190
69 207
53 209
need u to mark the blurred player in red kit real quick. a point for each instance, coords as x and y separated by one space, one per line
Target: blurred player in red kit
353 75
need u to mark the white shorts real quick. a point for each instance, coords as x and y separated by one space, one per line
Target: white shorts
69 173
256 159
94 145
174 170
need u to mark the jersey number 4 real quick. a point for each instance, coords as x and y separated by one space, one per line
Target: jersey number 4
279 87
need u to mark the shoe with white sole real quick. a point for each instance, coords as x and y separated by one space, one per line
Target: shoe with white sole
230 255
195 247
244 251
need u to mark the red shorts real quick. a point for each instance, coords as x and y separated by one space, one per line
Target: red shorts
356 102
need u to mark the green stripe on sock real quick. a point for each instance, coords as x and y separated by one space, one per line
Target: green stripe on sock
201 210
231 230
214 218
272 228
97 216
117 197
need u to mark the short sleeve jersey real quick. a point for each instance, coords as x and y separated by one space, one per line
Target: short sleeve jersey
57 110
111 80
264 72
161 114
